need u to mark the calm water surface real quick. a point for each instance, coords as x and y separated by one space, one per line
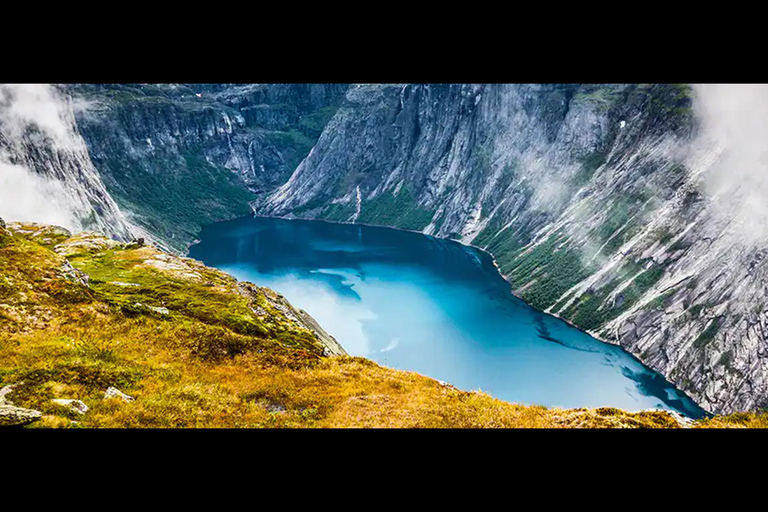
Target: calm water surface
413 302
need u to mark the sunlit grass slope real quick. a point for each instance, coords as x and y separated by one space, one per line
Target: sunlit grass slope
196 348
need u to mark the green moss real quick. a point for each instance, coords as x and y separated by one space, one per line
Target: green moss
185 300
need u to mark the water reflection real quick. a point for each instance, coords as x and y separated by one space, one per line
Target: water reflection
545 334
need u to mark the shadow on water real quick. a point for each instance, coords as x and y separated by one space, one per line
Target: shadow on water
648 382
545 334
651 383
336 282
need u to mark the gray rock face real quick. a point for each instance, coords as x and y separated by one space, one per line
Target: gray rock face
591 198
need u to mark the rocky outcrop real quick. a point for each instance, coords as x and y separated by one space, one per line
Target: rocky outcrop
77 406
264 303
12 416
301 318
4 233
113 392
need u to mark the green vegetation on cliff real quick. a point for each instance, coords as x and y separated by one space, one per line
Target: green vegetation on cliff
545 272
176 203
180 156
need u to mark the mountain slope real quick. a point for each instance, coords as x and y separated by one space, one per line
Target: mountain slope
592 198
595 200
180 156
97 333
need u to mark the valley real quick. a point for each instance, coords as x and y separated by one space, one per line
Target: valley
607 205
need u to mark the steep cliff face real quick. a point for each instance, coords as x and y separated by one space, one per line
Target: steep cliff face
593 200
45 170
178 157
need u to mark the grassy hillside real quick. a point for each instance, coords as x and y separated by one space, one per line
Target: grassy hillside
196 348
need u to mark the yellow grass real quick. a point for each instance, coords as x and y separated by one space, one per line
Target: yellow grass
215 359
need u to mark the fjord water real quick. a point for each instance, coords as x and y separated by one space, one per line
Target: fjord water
436 307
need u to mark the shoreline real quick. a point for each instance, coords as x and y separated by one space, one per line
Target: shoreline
498 269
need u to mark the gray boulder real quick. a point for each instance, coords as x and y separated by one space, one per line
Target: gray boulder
10 415
113 392
76 405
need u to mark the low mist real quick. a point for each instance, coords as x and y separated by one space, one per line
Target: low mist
25 194
734 122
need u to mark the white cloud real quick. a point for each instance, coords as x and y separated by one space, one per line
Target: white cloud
40 105
30 190
734 122
26 196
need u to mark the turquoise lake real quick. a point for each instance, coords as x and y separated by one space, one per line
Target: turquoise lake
436 307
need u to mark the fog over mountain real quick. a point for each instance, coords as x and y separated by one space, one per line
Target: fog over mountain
45 172
734 135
